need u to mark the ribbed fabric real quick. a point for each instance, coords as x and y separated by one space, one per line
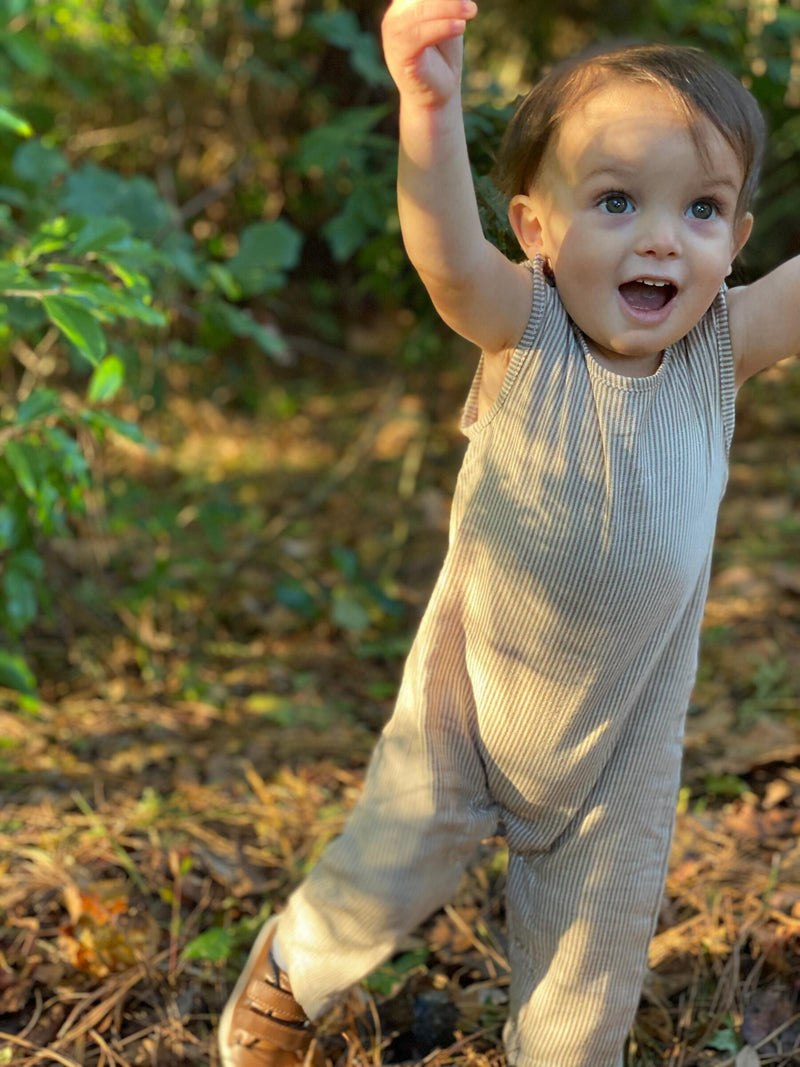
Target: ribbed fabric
546 689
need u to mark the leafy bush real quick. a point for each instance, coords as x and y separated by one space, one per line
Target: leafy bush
215 175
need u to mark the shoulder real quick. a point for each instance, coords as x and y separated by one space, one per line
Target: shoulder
542 305
709 341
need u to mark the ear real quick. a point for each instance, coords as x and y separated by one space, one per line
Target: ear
743 230
524 218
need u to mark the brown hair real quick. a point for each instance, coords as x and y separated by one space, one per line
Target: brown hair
697 83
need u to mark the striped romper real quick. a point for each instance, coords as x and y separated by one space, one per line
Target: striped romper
546 689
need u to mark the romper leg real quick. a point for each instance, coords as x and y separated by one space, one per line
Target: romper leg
582 914
423 812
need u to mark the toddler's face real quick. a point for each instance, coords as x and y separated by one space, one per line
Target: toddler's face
639 223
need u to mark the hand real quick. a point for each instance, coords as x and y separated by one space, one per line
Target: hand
423 47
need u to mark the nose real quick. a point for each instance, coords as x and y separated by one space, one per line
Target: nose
658 235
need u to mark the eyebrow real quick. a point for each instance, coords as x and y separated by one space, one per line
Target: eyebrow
623 170
611 168
724 181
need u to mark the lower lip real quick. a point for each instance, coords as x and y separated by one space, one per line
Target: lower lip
652 317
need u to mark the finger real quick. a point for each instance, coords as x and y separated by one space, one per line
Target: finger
423 35
422 25
416 11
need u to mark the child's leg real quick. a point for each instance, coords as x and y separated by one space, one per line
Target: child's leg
581 915
424 809
423 813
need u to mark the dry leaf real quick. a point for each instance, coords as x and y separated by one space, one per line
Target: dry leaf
776 792
105 934
787 577
746 822
765 1011
747 1057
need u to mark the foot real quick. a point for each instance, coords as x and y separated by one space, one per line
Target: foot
262 1024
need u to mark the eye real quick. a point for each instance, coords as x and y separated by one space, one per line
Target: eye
615 204
703 209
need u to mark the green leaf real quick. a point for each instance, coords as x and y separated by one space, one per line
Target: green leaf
180 249
348 612
346 560
106 380
293 595
266 251
93 191
225 280
101 421
79 325
14 277
10 121
363 215
343 139
214 945
66 454
726 785
44 244
25 50
20 459
14 197
388 978
27 562
100 233
15 673
20 602
725 1041
93 291
12 524
341 29
40 403
38 164
15 7
242 324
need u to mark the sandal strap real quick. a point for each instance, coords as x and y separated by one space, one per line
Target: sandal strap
269 999
270 1034
266 1016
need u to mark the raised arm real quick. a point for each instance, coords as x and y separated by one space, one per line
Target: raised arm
476 290
764 320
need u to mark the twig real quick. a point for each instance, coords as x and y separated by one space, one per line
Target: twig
100 828
82 142
38 1052
104 1046
37 1014
455 1047
196 204
487 951
96 1014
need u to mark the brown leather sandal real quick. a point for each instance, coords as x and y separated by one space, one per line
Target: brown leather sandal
262 1024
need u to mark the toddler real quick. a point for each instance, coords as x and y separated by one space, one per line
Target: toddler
547 686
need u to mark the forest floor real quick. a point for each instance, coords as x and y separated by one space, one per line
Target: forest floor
225 640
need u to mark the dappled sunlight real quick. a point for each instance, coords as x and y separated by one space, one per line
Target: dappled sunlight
229 438
213 733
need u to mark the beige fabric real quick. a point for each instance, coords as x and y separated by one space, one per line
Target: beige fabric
546 689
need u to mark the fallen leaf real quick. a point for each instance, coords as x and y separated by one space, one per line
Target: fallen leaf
776 792
105 934
765 1011
787 577
748 823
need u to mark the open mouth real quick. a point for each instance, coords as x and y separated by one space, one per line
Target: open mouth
647 295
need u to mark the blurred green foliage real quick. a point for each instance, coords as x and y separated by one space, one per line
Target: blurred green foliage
191 177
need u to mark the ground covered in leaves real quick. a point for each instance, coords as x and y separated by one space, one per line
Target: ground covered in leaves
225 639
